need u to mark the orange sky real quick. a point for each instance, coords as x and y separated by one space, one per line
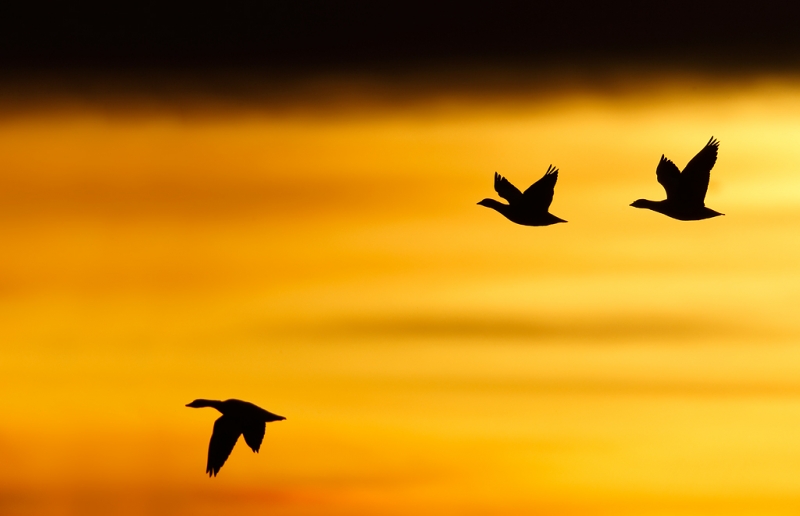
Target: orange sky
331 265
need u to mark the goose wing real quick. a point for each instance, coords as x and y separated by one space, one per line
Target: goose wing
669 176
223 439
694 178
505 189
539 195
253 432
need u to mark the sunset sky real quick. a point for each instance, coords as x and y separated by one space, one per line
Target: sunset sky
306 237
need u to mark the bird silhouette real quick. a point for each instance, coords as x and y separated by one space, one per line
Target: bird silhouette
238 418
527 208
686 191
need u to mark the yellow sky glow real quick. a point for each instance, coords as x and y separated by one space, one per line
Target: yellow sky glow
430 356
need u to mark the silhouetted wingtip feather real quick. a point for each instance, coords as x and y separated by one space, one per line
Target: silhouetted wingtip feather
223 438
505 189
696 174
669 177
539 195
253 432
212 471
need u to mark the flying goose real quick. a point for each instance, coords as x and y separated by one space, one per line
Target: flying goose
527 208
686 191
238 418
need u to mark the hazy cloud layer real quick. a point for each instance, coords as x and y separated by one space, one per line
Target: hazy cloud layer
589 330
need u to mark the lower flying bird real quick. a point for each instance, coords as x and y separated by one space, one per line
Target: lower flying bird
238 418
686 191
528 208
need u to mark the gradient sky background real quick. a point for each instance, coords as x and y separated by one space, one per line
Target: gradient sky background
278 205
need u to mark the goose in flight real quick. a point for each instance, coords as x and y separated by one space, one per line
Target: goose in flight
528 208
686 191
238 418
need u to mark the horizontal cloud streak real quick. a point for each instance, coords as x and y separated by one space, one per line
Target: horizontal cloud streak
504 327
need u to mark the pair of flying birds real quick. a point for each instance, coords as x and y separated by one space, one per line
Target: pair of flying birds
686 192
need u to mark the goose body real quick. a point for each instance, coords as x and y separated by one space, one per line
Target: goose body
238 418
686 191
529 208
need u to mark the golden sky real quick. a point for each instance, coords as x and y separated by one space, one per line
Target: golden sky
330 264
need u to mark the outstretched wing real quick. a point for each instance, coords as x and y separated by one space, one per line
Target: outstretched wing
539 195
253 432
670 177
223 439
505 189
694 179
